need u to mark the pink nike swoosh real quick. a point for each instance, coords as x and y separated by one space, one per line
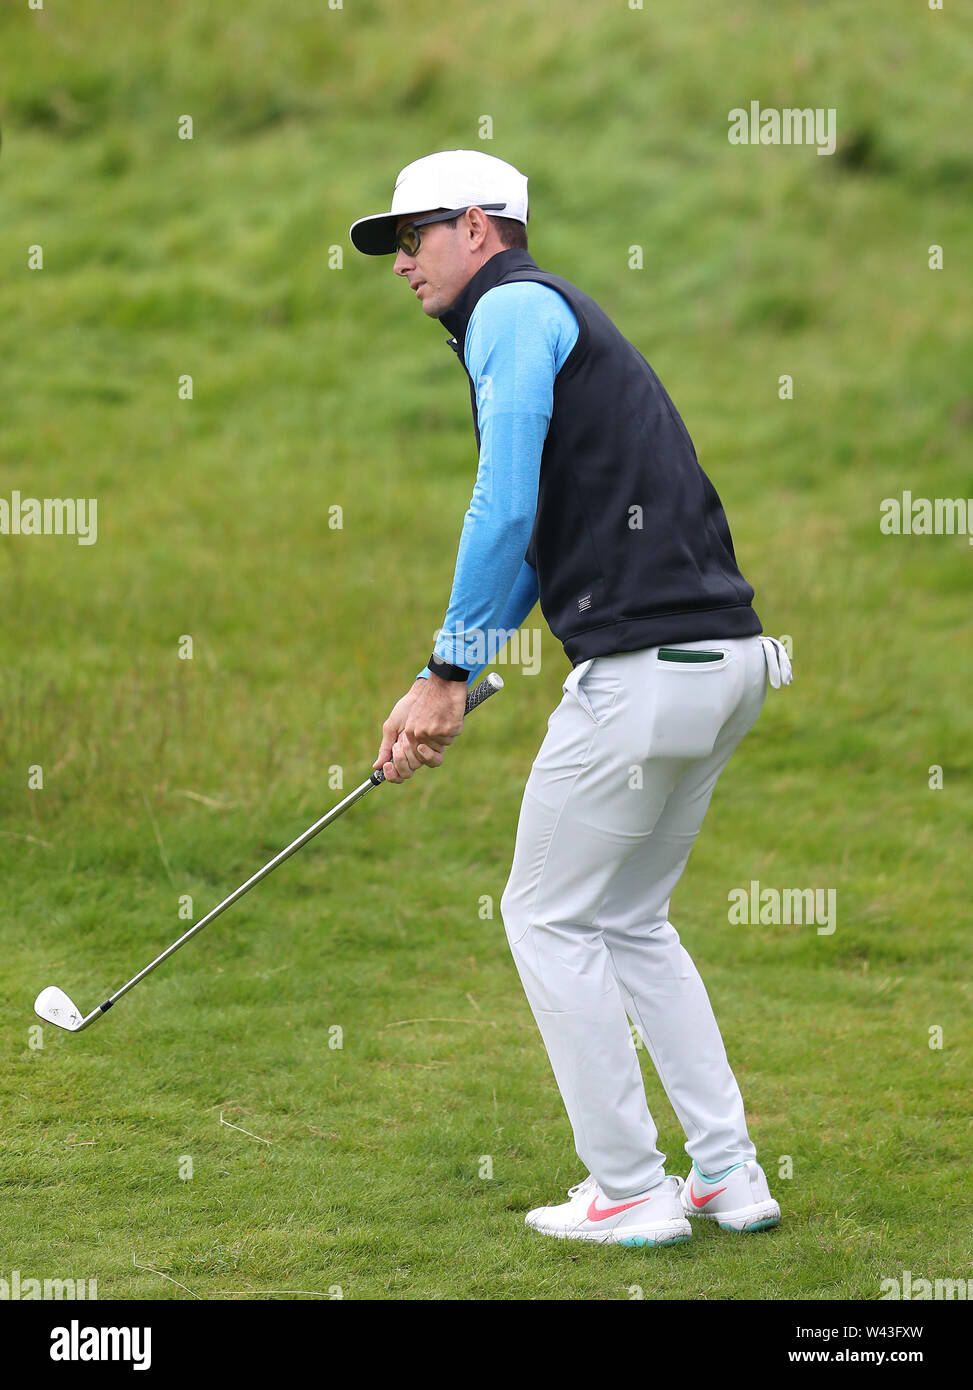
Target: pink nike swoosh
595 1215
701 1201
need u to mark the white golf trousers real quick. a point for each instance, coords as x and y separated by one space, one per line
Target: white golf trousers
614 801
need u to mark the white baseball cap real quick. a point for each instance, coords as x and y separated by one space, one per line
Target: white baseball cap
450 179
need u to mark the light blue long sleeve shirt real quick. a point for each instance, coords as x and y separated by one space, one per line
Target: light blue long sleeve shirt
517 340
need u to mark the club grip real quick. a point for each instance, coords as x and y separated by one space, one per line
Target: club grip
487 687
483 691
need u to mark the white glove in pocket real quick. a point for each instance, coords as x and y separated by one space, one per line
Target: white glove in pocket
778 662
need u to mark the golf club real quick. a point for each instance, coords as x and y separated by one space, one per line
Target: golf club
54 1006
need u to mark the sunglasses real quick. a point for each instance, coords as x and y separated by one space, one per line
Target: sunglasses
407 239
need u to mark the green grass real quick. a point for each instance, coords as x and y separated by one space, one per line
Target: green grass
317 387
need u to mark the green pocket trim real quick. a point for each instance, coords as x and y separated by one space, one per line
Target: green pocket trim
684 654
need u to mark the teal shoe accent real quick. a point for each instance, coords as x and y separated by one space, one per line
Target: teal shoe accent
757 1226
720 1176
646 1241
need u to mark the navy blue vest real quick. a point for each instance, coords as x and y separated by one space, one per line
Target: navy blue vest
630 542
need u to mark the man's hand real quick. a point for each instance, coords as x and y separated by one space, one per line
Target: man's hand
421 727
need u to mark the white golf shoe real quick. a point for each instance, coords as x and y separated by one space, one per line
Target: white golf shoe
654 1217
739 1199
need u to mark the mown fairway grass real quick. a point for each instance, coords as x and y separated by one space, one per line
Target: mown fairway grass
317 387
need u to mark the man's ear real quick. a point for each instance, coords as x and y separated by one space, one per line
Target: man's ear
478 223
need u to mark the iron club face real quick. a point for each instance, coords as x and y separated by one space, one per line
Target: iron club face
54 1006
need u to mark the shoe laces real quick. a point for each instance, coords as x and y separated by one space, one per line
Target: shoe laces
587 1185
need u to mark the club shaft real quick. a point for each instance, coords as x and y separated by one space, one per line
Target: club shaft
481 692
238 893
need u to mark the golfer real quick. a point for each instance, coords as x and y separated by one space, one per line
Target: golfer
589 497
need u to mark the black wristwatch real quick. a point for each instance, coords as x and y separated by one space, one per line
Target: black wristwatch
445 671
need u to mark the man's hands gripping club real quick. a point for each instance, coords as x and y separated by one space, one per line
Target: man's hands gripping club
421 727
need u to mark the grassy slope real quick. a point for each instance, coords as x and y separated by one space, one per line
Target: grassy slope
318 386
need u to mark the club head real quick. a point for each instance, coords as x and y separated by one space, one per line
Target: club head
54 1006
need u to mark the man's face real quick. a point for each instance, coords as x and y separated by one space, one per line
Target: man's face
441 267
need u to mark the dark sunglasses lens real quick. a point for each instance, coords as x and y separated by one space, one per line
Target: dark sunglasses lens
407 240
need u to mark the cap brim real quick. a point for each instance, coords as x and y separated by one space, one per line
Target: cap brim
375 236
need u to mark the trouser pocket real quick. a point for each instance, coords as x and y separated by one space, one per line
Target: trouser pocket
595 686
692 697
